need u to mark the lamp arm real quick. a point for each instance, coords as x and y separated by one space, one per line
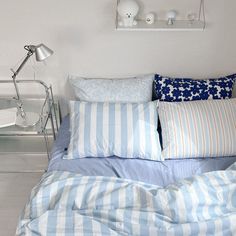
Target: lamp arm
15 73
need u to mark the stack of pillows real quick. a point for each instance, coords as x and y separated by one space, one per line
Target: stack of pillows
119 117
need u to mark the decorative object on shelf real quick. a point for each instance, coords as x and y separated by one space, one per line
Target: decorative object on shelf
150 18
196 21
26 119
191 17
128 10
171 16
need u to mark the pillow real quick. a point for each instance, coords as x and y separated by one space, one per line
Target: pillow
178 90
136 89
127 130
198 128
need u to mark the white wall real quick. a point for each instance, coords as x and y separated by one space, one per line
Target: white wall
85 43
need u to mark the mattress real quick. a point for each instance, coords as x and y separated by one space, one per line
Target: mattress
153 172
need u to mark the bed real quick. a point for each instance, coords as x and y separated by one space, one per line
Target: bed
98 195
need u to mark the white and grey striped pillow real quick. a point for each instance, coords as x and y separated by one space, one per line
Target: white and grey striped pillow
127 130
198 128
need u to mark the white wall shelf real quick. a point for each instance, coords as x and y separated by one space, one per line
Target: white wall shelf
161 25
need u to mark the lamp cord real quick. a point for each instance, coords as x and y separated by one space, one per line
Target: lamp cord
33 66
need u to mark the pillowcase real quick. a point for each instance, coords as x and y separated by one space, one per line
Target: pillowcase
127 130
178 90
136 89
198 128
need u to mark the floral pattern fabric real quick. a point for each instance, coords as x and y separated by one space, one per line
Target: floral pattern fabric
186 89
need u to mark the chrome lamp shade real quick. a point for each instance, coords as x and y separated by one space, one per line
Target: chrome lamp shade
42 52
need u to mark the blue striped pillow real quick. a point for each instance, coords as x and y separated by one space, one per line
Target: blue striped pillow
127 130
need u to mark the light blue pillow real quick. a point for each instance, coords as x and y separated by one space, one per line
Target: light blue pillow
134 89
126 130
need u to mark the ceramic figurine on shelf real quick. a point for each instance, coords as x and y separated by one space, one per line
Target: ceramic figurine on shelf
171 15
127 10
191 18
150 18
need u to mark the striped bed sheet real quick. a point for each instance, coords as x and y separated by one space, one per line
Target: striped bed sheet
65 203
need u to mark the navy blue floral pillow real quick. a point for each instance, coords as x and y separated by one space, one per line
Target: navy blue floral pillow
185 89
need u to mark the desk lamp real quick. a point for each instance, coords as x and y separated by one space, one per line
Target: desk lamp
27 119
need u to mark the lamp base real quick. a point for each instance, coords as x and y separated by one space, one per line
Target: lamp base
31 119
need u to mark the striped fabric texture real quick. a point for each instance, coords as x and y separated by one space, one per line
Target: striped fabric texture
198 129
127 130
70 204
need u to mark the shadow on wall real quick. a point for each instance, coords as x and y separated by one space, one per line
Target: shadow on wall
64 100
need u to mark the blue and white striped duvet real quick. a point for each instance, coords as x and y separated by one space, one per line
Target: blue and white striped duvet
64 203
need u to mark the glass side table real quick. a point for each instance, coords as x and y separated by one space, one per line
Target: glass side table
15 139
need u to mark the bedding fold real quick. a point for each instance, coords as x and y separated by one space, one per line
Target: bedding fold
65 203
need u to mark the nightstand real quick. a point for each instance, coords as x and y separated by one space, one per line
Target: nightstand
33 141
23 140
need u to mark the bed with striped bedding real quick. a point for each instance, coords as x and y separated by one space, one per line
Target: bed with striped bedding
65 203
